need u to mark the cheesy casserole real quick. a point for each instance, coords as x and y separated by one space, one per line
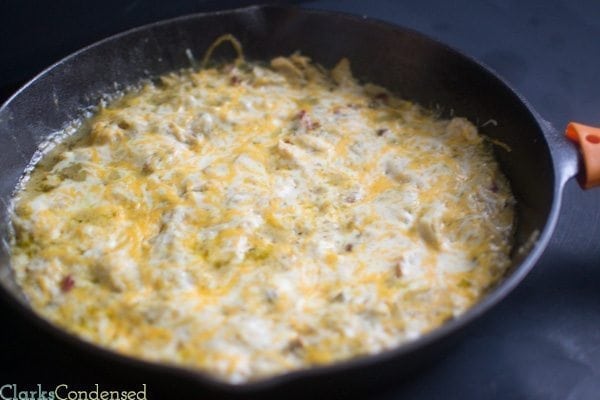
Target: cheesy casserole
255 218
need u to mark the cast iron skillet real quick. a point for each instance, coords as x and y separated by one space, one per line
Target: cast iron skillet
412 65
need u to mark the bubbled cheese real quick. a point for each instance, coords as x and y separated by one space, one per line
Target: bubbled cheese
254 219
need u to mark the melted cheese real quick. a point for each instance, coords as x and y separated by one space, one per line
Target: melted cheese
250 220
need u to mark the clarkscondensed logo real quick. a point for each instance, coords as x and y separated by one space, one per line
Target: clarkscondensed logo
62 391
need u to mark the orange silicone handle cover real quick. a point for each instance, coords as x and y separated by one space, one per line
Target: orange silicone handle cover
588 138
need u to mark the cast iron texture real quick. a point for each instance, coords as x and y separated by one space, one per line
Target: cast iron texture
410 64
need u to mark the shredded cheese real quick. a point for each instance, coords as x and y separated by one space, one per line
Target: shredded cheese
252 219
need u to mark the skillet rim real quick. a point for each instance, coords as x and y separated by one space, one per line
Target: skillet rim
490 299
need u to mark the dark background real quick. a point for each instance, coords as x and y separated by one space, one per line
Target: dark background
543 341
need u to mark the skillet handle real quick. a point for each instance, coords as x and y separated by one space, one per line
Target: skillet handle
588 138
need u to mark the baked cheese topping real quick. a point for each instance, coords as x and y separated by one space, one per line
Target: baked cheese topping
252 219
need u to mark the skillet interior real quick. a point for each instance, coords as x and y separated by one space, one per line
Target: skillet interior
410 64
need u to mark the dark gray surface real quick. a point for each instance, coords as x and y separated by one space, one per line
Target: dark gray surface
543 341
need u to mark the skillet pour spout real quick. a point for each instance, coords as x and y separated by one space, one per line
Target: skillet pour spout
416 67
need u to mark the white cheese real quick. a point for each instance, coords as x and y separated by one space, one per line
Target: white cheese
252 220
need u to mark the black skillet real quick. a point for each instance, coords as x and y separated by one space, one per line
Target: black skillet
414 66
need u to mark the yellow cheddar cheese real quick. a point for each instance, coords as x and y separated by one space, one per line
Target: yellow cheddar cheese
251 219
